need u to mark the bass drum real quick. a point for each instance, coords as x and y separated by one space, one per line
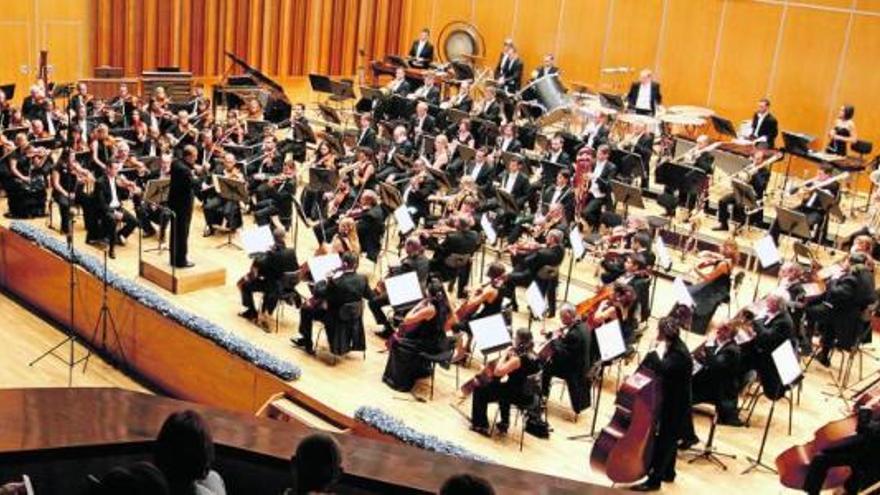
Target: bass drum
547 93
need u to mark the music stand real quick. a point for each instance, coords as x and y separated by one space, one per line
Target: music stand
794 144
792 223
745 197
439 176
628 195
612 101
156 193
506 201
390 196
320 83
678 176
341 91
329 114
231 190
609 340
454 116
723 126
322 179
369 93
549 171
466 153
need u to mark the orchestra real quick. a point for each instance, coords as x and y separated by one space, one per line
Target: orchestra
491 195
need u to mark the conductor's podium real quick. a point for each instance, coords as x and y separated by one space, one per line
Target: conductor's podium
156 268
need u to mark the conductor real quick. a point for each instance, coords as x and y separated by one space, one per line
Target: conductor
180 201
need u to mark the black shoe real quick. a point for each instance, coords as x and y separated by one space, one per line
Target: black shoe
111 253
249 315
732 422
304 344
669 478
482 430
720 227
502 428
188 264
824 358
648 486
686 443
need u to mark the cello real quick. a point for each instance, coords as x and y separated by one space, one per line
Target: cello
624 447
793 464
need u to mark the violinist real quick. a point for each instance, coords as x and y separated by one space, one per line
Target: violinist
771 326
277 196
507 385
78 144
32 105
343 240
637 274
821 192
428 92
461 243
620 305
716 380
483 301
265 276
370 217
840 314
599 187
401 150
219 210
758 181
671 361
335 298
418 189
713 287
633 242
414 261
571 354
118 223
526 267
27 189
65 175
102 149
480 170
80 99
421 332
38 131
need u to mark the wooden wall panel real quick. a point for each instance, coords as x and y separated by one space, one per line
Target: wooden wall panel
807 68
859 86
494 19
635 31
745 58
868 5
687 50
579 49
537 22
283 38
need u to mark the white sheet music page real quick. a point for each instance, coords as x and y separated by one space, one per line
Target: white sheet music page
403 288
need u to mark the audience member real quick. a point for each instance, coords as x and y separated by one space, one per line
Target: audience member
316 465
466 484
184 453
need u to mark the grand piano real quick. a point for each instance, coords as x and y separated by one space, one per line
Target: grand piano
235 90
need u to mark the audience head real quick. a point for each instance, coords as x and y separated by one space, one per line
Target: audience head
467 484
184 449
317 463
141 478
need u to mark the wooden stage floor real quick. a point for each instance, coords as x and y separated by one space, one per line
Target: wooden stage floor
354 381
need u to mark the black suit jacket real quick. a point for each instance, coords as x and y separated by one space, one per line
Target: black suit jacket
633 95
459 242
367 139
562 159
718 379
464 105
492 112
404 89
546 256
609 171
769 129
513 147
484 177
598 137
180 192
521 188
433 96
674 370
566 197
543 71
418 263
427 125
769 336
370 228
276 262
427 53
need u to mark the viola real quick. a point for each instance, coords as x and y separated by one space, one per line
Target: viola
589 305
794 463
624 447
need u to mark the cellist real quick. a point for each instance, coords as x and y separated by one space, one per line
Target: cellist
672 363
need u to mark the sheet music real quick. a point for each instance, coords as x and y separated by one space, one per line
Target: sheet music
788 366
257 239
488 229
404 220
577 243
321 266
682 295
767 252
662 253
490 332
609 337
536 300
403 288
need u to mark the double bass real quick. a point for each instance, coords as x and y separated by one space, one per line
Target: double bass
623 449
793 464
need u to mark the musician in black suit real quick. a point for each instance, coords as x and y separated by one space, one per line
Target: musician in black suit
401 148
672 363
333 297
527 265
414 261
118 222
481 170
640 243
490 108
462 100
758 181
399 86
644 95
546 68
597 132
812 206
643 146
771 328
515 182
557 154
366 137
841 317
507 141
421 122
428 92
765 128
180 201
370 224
716 381
416 191
572 355
559 193
462 242
422 51
599 187
266 276
509 71
637 274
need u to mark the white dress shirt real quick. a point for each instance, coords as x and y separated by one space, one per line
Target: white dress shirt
595 190
511 180
643 100
114 199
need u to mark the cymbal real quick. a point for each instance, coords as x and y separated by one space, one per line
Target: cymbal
691 110
634 118
682 119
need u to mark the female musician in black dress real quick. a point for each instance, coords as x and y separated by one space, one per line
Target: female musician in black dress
422 331
843 133
516 364
714 286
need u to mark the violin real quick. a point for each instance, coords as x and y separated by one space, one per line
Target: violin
487 374
470 305
794 463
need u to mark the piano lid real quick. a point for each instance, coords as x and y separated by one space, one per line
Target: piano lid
261 78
